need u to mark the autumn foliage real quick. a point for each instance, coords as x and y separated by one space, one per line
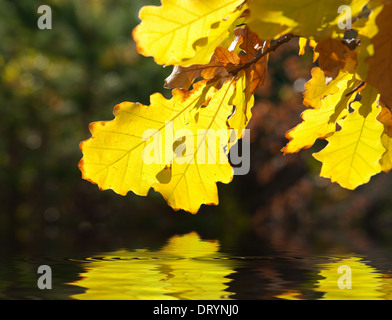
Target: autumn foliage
219 50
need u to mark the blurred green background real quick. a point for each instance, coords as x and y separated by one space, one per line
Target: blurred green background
55 82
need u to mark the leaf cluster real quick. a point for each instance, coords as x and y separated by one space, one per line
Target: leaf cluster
219 51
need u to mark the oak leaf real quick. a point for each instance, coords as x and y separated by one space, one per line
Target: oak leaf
243 102
113 156
310 19
330 105
353 154
193 182
185 32
188 136
222 61
334 56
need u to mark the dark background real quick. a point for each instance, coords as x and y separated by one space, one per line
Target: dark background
55 82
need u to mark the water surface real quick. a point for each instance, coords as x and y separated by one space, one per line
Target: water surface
189 267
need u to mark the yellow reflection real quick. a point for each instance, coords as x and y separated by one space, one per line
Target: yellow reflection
347 278
387 287
366 282
185 268
290 295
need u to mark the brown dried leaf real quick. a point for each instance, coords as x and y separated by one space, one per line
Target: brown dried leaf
385 117
258 73
221 62
249 42
332 56
380 64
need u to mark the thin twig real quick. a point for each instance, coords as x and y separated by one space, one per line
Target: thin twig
262 53
360 85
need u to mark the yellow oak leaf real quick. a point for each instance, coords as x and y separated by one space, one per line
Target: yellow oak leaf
180 147
185 32
317 87
192 182
305 18
114 157
353 154
380 63
243 102
321 122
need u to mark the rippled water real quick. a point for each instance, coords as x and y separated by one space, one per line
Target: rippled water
188 267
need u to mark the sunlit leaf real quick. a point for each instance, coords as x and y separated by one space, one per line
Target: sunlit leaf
330 103
317 88
113 156
243 101
185 32
353 154
310 19
193 182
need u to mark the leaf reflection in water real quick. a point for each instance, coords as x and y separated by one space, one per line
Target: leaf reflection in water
367 283
185 268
